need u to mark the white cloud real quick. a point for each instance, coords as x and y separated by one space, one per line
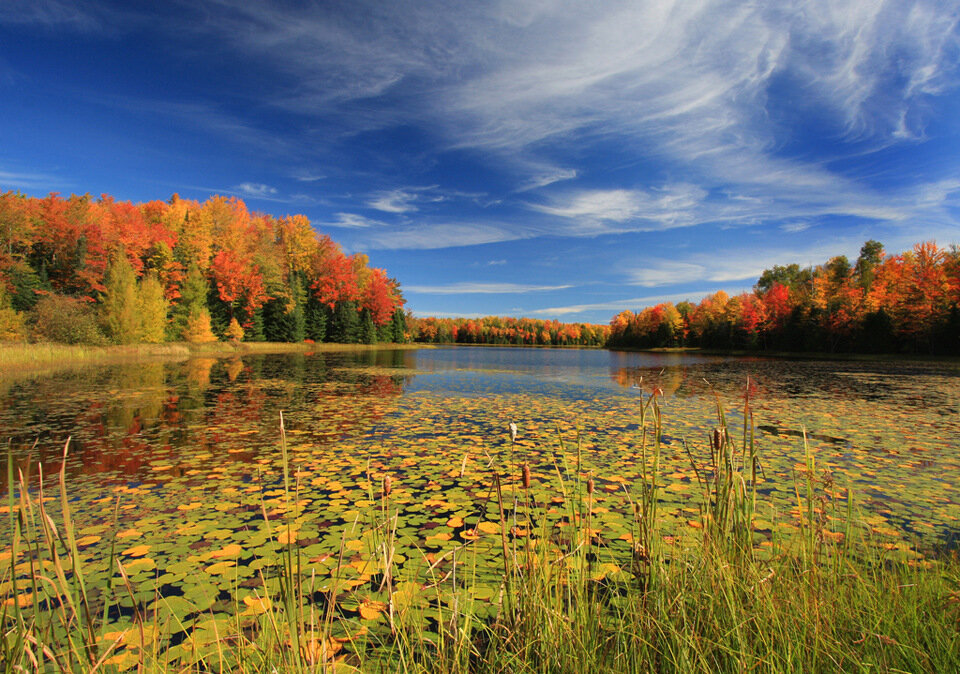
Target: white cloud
31 181
354 221
408 199
541 177
467 288
394 201
593 210
444 235
52 13
256 190
448 314
308 177
632 304
666 273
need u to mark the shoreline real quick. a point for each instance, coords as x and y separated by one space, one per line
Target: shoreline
798 355
20 359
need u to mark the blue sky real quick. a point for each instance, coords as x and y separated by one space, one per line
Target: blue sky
547 159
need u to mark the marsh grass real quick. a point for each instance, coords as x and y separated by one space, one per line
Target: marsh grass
19 358
717 599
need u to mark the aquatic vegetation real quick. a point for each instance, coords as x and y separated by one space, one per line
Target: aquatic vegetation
387 531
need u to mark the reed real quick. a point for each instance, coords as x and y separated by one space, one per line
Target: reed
563 601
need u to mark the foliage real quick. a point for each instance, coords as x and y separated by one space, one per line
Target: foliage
119 309
12 323
58 318
899 303
234 331
503 330
197 329
215 261
152 309
494 564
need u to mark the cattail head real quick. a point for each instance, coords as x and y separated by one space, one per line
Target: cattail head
513 432
387 485
526 476
590 486
717 437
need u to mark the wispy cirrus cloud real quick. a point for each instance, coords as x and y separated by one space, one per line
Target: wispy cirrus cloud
30 180
54 14
468 288
408 199
354 221
437 235
689 85
256 190
632 304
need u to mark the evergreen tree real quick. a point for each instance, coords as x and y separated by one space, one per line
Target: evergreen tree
120 304
254 331
193 298
368 331
315 319
399 326
345 323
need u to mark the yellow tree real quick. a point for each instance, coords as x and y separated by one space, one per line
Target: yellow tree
152 309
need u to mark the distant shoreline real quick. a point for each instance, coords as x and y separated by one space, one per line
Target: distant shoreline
796 355
19 359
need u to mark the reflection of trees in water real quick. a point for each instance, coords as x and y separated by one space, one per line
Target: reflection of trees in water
123 418
688 381
918 384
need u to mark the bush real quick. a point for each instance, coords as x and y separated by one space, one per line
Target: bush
57 318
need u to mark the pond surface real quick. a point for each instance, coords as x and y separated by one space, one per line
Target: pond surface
180 461
891 430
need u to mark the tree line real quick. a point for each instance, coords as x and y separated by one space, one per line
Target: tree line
906 303
506 331
98 271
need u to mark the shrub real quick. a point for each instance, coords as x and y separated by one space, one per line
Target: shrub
57 318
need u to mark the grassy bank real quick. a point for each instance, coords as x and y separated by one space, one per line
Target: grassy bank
21 357
529 584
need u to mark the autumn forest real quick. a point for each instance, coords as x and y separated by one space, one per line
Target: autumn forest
81 270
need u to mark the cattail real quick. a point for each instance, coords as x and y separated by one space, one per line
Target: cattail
717 436
513 432
387 485
590 486
526 476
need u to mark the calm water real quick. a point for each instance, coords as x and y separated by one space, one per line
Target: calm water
161 433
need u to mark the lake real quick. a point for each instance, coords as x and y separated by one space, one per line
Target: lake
175 465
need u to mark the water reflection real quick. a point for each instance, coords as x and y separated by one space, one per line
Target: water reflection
121 418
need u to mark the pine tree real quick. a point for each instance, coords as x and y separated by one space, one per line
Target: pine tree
315 319
368 331
345 323
193 298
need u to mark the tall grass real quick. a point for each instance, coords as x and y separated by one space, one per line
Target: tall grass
22 357
560 599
